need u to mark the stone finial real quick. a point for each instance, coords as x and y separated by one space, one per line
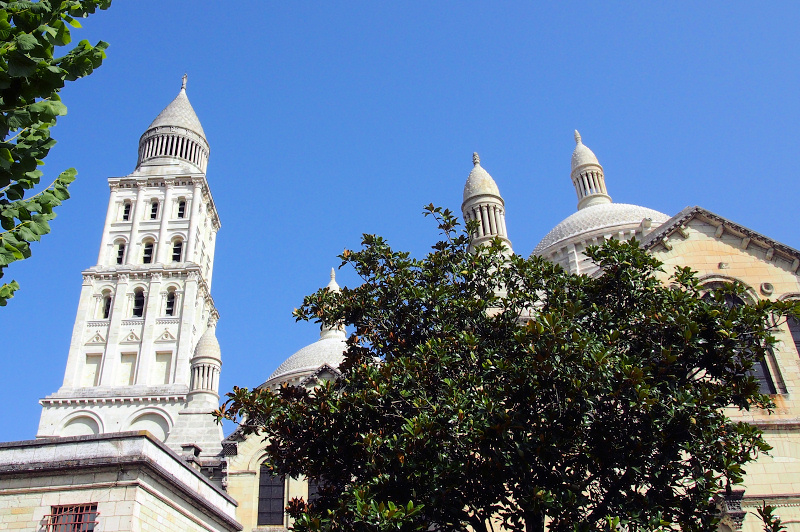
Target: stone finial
183 83
333 274
577 137
476 160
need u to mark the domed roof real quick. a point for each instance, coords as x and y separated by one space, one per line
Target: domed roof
328 350
582 155
595 217
479 181
179 113
208 345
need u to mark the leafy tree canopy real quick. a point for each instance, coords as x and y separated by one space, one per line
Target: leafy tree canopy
30 78
484 390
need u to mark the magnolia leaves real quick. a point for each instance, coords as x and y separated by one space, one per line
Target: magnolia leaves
30 78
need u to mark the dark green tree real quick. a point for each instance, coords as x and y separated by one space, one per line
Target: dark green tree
483 390
31 77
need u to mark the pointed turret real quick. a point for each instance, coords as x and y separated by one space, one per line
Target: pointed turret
176 133
587 176
482 202
335 330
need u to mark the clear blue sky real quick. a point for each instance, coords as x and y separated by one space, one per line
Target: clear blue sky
326 122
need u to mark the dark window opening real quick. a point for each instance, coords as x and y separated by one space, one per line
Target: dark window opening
171 303
72 518
794 328
120 252
138 303
270 497
154 210
126 212
106 307
177 250
182 209
147 256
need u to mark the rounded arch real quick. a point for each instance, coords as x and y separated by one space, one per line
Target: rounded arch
154 420
716 280
790 295
82 423
257 458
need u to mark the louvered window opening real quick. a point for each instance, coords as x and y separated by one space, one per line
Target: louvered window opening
175 146
72 518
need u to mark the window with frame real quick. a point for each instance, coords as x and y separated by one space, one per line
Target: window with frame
182 209
147 253
271 488
154 210
120 252
126 211
105 310
72 518
177 250
170 310
794 329
138 303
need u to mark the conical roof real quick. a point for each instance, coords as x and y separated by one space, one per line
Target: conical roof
479 181
179 113
582 155
208 345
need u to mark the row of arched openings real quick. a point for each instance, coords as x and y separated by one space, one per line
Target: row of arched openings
155 206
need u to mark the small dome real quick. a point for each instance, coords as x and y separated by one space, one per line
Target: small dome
328 351
479 181
582 155
208 345
611 216
179 113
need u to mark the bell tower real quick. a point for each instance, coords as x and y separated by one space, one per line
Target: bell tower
147 302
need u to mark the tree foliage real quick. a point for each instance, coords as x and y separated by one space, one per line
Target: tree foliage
31 77
483 390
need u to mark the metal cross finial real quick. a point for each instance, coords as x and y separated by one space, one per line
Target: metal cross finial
183 84
476 160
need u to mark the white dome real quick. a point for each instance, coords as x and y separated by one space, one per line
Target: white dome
479 181
179 113
329 350
614 216
208 345
582 155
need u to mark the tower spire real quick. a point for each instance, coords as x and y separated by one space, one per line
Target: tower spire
587 176
183 83
483 203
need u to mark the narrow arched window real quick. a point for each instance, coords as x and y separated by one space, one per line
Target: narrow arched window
147 253
106 309
120 252
170 311
182 209
270 497
126 211
794 328
138 303
154 210
177 250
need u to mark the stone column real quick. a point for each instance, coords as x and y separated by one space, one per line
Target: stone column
187 334
133 244
152 312
163 251
102 256
74 362
108 365
191 240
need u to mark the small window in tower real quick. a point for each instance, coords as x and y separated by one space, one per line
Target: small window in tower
147 255
170 311
72 518
182 209
106 311
138 303
126 211
120 252
154 210
177 250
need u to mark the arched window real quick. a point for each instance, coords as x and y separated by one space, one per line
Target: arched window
270 497
177 250
126 211
794 328
170 310
760 368
105 310
154 210
138 303
182 208
120 252
147 252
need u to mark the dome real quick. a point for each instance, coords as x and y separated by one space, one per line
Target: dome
596 217
208 345
329 350
179 113
582 155
479 181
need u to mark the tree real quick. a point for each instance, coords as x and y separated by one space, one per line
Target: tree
481 389
30 80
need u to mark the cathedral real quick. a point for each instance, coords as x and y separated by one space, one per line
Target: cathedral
127 443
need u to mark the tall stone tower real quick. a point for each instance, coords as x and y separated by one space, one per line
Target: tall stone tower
143 308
